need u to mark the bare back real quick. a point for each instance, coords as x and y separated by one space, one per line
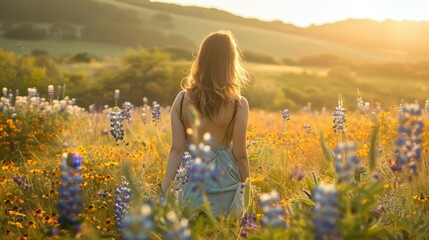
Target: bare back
217 127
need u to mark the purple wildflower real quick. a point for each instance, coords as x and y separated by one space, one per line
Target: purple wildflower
346 162
339 117
138 225
116 126
126 110
70 192
156 112
273 213
408 145
122 201
179 229
325 212
248 223
286 115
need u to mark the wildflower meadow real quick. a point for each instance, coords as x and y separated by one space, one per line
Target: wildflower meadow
69 172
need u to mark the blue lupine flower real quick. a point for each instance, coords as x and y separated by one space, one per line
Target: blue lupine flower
122 201
70 192
182 174
408 145
379 210
4 90
339 117
51 91
273 213
179 229
1 106
138 225
307 128
116 95
116 126
104 193
346 162
376 176
11 98
248 223
126 110
199 165
201 171
156 112
325 212
286 115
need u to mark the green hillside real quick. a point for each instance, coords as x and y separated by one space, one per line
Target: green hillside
186 26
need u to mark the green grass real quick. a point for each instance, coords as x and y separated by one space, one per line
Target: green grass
61 47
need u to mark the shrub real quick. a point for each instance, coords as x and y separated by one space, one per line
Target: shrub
26 31
179 53
80 57
39 52
259 57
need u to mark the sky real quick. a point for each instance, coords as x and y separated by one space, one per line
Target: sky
304 13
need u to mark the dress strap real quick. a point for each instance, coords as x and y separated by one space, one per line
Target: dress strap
231 123
181 106
181 114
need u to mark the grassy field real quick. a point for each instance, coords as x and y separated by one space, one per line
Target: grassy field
61 47
284 156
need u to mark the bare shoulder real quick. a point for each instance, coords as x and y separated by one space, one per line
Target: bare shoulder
244 104
178 99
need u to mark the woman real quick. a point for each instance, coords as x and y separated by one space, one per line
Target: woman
213 88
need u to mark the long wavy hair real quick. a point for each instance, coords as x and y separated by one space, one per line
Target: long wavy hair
217 75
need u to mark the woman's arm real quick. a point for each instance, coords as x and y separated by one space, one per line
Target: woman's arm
239 149
178 145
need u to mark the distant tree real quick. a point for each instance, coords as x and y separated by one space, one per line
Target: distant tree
80 57
141 74
179 40
253 56
39 52
163 20
20 72
179 53
288 61
26 31
325 60
63 29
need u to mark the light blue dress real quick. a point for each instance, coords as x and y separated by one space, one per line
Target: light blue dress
225 195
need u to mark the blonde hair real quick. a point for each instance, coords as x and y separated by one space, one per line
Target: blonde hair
217 75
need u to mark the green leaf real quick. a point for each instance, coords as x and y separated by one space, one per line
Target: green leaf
372 150
307 202
136 193
310 184
326 151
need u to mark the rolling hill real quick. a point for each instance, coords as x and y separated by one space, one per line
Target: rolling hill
363 40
